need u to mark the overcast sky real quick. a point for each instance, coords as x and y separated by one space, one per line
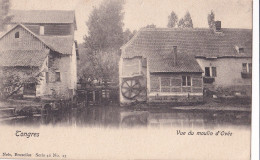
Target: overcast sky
139 13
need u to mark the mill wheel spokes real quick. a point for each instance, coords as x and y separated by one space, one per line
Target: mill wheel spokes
131 88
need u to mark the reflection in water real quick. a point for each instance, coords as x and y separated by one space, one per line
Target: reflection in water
111 116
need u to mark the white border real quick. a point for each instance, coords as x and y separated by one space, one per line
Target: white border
255 102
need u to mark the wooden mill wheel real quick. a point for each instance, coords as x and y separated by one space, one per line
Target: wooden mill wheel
130 88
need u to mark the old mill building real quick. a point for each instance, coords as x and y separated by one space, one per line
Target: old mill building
177 65
42 43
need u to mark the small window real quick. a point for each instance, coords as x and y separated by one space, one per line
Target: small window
244 67
57 77
241 50
207 71
47 77
214 71
17 35
41 30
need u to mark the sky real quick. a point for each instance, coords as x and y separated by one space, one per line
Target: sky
139 13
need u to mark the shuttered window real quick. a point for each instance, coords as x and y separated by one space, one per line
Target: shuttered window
211 71
214 71
247 67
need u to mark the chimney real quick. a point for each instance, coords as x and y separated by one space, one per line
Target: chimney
175 55
218 26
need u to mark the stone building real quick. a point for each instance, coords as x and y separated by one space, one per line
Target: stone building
41 43
176 65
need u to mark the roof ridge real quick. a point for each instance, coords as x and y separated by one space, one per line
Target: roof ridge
131 40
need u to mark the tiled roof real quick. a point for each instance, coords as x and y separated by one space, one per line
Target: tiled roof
165 63
42 16
196 42
61 44
15 58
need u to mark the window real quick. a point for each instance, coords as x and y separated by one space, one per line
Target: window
17 35
241 50
211 71
244 67
186 81
41 30
57 77
214 71
207 71
47 77
247 67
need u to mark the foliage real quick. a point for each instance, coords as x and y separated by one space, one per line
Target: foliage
99 66
128 35
211 19
105 26
150 26
4 17
100 54
186 21
13 79
172 20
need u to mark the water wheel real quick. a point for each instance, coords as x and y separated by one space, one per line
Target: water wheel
130 88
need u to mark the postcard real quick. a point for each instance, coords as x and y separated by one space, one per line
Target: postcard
126 79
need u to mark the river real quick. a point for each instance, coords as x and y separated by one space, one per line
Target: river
115 116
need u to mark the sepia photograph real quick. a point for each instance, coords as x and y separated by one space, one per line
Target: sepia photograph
126 79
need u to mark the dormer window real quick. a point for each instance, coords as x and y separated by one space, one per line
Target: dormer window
16 35
41 30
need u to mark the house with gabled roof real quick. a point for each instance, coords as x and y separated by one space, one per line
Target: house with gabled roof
176 65
42 43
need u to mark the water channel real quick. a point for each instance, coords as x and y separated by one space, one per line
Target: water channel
115 116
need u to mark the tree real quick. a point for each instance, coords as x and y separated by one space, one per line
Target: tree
105 26
13 79
103 42
4 17
128 35
186 21
172 20
211 19
151 26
